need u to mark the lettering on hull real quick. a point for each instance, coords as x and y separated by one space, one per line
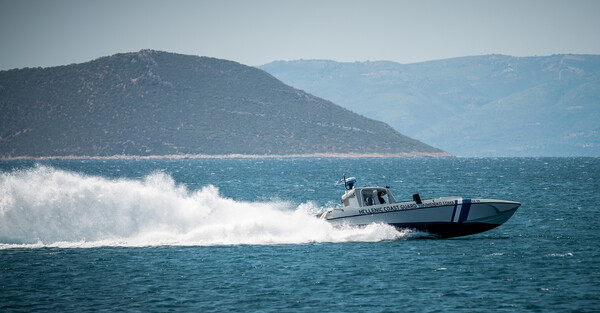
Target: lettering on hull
402 207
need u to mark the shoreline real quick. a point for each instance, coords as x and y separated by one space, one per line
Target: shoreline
236 156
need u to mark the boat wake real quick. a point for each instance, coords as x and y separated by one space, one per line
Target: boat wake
48 207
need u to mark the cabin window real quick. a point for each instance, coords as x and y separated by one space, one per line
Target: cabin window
367 197
380 197
368 200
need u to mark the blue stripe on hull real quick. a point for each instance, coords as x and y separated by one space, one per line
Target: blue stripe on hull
454 211
464 213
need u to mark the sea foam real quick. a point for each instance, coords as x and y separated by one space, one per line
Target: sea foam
44 206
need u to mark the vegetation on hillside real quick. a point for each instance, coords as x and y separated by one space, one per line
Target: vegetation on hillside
158 103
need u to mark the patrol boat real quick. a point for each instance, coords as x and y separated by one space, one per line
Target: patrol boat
441 217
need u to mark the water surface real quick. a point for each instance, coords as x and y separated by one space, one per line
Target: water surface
225 235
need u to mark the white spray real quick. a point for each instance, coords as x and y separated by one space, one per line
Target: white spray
43 206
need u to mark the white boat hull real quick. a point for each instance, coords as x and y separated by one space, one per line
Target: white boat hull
443 217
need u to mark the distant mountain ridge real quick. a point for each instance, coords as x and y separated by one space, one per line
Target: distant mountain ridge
159 103
492 105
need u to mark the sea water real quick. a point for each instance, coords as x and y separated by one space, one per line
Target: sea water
240 235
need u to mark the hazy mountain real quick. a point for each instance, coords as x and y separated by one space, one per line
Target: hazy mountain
492 105
158 103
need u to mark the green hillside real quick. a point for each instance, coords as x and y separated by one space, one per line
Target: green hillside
158 103
492 105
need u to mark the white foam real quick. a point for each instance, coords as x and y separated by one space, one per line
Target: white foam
560 254
44 206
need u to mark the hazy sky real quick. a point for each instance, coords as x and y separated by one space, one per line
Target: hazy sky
56 32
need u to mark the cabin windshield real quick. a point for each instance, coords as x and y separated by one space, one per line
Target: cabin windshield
360 197
375 196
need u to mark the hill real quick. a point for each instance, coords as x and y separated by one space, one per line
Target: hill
491 105
158 103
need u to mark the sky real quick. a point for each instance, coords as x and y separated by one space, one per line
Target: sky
57 32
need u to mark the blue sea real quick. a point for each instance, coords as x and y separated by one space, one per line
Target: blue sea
218 235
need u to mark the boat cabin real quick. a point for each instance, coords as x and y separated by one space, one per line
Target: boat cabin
367 196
